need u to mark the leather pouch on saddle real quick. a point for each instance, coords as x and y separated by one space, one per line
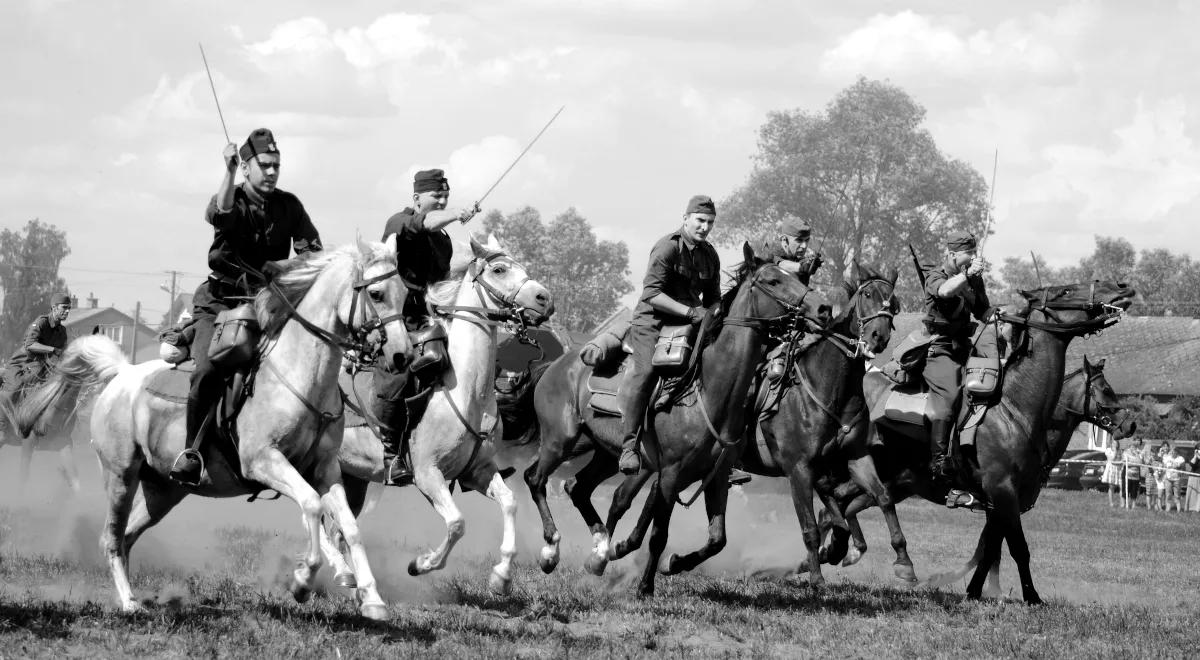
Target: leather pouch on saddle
908 359
673 348
235 338
982 378
429 348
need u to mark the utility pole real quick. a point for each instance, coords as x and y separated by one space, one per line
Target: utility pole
137 314
174 293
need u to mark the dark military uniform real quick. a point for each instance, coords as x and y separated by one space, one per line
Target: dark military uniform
255 230
689 275
949 322
772 251
26 367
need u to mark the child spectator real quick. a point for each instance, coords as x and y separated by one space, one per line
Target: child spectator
1159 479
1112 469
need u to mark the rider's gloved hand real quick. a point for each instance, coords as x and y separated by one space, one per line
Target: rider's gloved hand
815 263
695 314
230 154
590 354
271 270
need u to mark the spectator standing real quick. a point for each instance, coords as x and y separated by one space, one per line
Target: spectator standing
1132 457
1172 464
1193 481
1112 469
1159 479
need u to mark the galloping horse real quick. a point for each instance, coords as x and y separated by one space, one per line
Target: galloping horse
1010 447
290 426
1086 396
58 434
684 443
455 438
821 418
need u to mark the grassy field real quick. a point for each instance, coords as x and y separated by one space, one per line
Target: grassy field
1117 584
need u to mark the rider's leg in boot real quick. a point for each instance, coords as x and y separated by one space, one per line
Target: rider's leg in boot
939 445
639 387
206 385
390 409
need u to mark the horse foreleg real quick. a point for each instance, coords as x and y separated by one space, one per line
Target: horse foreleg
27 445
272 469
66 463
663 505
335 549
433 486
601 466
501 580
802 499
333 500
989 541
716 499
1018 547
622 500
121 486
862 471
153 502
536 476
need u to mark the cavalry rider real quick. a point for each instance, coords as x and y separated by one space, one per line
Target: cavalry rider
683 278
254 224
423 250
954 293
790 250
45 338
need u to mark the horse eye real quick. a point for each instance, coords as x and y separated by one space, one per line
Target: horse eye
376 295
499 270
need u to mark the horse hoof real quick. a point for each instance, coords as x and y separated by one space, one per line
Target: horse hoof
905 573
852 557
667 567
374 612
132 607
412 568
300 591
345 580
499 585
816 579
595 565
1033 599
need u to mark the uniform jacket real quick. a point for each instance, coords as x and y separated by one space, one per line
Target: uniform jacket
687 275
254 232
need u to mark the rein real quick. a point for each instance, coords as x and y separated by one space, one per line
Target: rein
1105 316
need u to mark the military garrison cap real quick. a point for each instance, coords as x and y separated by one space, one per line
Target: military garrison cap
961 240
430 181
793 226
701 204
260 141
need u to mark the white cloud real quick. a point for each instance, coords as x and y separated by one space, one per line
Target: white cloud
303 35
473 169
124 159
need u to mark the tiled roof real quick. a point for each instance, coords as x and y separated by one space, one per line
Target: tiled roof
1145 354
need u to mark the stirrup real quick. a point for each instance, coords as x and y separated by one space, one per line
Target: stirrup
963 499
739 477
398 474
179 475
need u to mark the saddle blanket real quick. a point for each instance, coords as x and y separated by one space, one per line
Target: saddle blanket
171 384
604 388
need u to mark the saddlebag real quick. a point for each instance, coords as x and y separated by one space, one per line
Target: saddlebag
235 338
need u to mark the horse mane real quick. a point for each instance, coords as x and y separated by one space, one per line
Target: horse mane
714 319
273 305
445 292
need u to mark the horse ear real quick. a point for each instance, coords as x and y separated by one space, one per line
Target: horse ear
480 251
748 253
389 242
493 243
893 275
1099 364
1029 296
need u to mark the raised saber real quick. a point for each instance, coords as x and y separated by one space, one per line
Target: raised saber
987 227
213 87
519 157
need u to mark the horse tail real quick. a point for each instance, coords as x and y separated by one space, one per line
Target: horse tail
89 360
516 408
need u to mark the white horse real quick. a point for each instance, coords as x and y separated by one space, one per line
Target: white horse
454 439
52 436
289 429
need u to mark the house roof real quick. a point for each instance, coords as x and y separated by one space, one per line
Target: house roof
1157 355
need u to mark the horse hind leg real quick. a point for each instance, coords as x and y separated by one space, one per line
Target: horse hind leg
716 499
622 500
862 470
550 457
272 469
432 484
120 486
335 548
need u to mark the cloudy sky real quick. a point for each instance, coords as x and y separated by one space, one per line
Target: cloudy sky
112 134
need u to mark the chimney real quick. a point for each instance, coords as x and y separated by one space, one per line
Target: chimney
74 302
93 301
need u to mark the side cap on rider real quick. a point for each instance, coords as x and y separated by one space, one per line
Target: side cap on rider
60 299
430 181
260 141
795 227
960 241
701 204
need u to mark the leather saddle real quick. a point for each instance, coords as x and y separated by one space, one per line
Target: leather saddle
220 439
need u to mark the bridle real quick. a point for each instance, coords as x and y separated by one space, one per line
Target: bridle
792 318
1101 315
1103 415
510 315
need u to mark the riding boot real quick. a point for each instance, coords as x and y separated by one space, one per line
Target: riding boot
631 461
939 445
189 465
398 471
738 476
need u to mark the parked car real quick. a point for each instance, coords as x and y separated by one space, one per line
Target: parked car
1067 472
1089 478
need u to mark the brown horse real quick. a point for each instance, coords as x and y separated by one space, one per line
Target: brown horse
683 444
1086 396
821 417
1010 449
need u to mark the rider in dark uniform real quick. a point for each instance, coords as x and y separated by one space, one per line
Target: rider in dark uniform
253 224
790 250
683 278
423 250
45 339
954 294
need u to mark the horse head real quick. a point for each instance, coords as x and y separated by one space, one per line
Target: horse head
764 292
1080 308
872 305
372 308
507 284
1102 406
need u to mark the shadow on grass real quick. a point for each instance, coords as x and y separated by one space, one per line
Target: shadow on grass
343 621
838 599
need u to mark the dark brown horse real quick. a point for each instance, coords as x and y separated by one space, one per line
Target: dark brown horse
1086 396
1010 449
684 443
821 417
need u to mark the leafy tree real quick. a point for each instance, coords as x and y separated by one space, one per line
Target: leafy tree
29 261
587 277
866 175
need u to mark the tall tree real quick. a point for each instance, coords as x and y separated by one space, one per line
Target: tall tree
29 261
867 176
587 277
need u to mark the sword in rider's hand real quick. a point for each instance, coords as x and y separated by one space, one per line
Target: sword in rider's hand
987 227
479 202
213 87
